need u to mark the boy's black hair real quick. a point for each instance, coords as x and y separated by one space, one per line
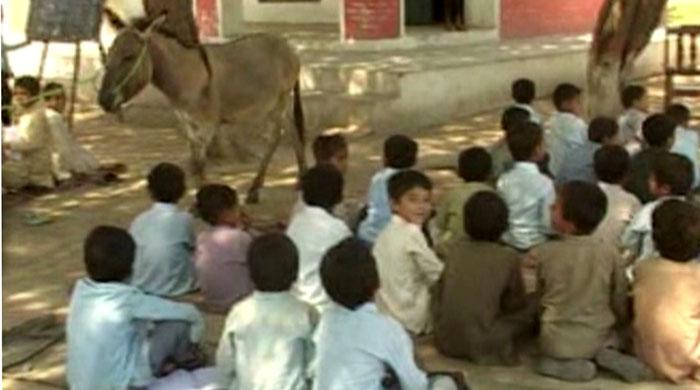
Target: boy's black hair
512 116
676 230
563 93
400 152
675 171
322 186
631 94
584 205
474 164
524 140
602 128
28 83
485 216
611 163
349 273
213 199
109 254
523 91
327 146
166 183
657 130
403 181
679 114
273 260
53 89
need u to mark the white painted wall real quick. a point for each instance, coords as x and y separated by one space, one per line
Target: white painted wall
324 11
483 13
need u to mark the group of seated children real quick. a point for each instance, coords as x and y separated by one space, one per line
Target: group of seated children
39 151
574 241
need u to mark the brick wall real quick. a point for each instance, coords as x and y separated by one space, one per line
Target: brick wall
530 18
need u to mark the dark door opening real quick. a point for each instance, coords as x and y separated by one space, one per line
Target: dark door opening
425 12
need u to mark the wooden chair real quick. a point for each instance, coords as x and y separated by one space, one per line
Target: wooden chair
686 63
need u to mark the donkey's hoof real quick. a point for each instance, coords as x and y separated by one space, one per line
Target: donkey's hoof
252 198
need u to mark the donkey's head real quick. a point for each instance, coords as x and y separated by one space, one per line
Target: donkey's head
129 67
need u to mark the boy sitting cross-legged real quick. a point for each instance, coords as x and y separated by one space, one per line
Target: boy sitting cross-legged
687 140
523 93
500 155
119 337
408 268
481 307
584 292
266 342
635 101
567 128
358 347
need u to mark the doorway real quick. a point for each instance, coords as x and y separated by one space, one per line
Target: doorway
424 12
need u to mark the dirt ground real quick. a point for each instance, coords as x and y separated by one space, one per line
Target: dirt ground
40 263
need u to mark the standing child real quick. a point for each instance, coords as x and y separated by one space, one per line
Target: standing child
671 177
567 130
358 347
611 164
408 268
636 103
119 337
266 342
400 152
666 299
500 155
164 237
584 292
454 15
687 140
523 93
220 257
527 192
315 229
481 305
474 168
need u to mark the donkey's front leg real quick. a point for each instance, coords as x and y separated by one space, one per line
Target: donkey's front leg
199 136
254 191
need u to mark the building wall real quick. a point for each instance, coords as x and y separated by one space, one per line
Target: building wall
323 11
530 18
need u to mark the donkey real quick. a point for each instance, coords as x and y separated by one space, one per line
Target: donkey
251 83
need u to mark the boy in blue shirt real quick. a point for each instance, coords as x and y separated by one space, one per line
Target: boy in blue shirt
687 142
164 237
118 336
523 93
567 128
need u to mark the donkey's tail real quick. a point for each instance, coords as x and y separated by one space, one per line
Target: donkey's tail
299 121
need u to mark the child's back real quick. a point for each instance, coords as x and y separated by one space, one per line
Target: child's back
687 142
568 130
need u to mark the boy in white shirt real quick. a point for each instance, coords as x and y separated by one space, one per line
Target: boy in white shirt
671 177
687 142
266 342
635 100
527 192
358 347
523 93
408 267
567 130
314 229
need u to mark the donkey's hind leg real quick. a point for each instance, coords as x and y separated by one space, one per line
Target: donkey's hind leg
199 137
254 191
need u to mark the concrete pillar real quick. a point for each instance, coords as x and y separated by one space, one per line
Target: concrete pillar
483 13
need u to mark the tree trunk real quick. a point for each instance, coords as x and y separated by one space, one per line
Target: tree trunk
623 30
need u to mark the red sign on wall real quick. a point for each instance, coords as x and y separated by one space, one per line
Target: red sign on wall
207 15
372 19
523 19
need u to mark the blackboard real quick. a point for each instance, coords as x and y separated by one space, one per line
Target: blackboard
64 20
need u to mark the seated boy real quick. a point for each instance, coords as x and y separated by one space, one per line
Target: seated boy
611 164
400 152
523 93
119 337
315 229
164 237
500 155
474 168
687 140
481 306
358 347
266 342
527 192
578 164
584 292
567 129
26 151
666 299
658 131
635 100
220 257
671 177
408 268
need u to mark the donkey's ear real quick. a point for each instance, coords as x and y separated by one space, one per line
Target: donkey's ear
155 24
